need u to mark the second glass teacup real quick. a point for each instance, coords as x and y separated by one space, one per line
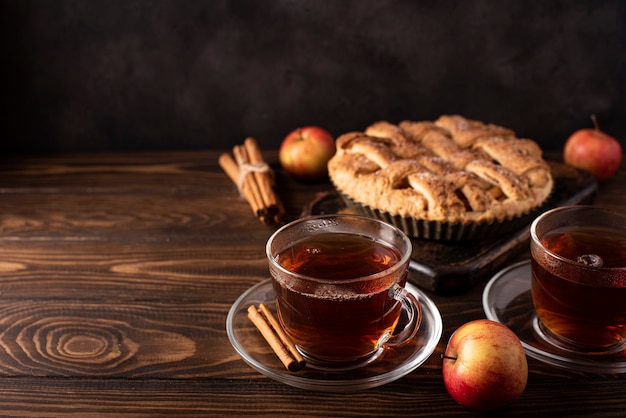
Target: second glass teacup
578 258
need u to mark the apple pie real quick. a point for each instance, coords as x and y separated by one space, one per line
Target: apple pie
443 179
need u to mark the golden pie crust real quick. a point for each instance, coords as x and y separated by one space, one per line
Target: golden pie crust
452 170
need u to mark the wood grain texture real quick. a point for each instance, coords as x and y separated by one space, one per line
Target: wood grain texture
117 272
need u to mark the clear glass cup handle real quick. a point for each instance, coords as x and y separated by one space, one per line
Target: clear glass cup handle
411 305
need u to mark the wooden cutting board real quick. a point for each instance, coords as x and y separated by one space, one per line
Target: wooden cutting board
446 267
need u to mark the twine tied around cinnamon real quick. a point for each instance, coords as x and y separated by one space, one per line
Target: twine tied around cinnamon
247 168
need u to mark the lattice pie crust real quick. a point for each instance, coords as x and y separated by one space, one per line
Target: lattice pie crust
450 170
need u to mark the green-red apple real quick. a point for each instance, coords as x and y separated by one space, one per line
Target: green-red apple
304 153
484 366
594 151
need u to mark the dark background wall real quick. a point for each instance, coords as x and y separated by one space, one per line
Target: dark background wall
206 74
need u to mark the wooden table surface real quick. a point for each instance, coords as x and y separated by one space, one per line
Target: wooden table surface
118 270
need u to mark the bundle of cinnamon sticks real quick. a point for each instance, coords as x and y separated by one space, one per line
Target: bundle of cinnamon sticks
255 180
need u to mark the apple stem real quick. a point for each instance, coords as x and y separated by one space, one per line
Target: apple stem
448 357
595 122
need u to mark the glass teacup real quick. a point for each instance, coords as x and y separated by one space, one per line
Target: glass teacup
578 258
339 283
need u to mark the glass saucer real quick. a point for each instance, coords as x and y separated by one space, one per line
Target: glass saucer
507 299
391 365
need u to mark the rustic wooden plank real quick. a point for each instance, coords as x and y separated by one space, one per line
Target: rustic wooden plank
219 398
110 217
115 271
67 338
119 173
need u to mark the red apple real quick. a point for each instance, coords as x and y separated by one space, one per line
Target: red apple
594 151
304 153
484 366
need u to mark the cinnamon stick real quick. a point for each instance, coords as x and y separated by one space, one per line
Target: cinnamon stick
281 334
231 169
264 180
272 338
241 156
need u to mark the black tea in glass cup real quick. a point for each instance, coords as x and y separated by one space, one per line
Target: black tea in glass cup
578 259
339 283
